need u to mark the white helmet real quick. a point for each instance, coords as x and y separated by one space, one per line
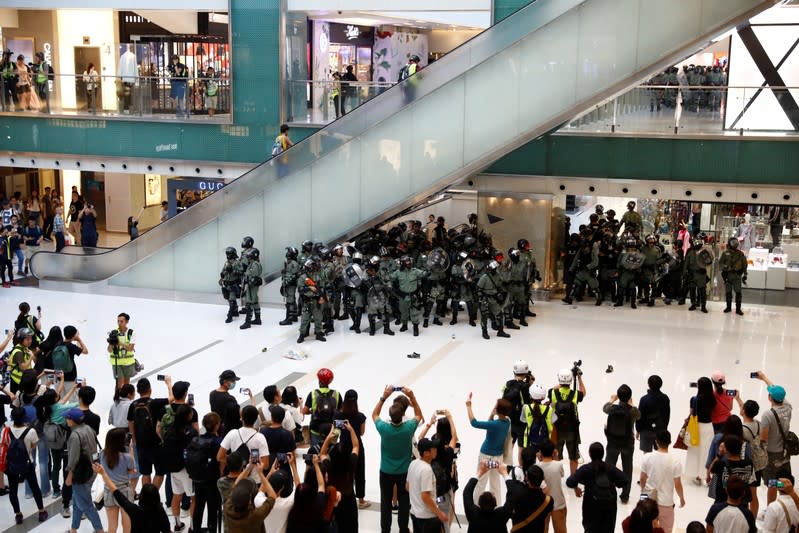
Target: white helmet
564 376
537 392
521 367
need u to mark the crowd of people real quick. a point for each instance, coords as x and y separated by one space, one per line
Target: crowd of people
239 467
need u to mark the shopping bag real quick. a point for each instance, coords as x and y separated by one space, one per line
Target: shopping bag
680 443
693 430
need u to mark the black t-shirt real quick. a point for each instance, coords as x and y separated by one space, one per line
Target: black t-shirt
356 421
279 440
74 210
91 419
343 476
226 406
724 468
175 406
147 438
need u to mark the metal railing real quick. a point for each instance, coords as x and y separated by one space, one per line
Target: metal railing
115 96
705 109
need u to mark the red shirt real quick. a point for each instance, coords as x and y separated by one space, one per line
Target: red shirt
722 409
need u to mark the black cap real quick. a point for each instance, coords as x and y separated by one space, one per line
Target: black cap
351 395
426 444
228 375
180 389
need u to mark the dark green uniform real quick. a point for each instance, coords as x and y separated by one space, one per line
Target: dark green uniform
652 255
462 290
518 283
407 284
230 281
312 298
377 302
695 274
733 270
632 222
288 289
629 266
252 281
491 292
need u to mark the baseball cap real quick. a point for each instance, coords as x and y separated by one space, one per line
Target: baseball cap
777 392
426 444
76 415
180 389
228 375
718 377
351 395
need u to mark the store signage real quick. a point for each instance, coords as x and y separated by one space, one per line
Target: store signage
351 34
48 58
211 185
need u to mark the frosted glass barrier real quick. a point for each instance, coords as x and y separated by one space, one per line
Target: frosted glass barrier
448 121
700 109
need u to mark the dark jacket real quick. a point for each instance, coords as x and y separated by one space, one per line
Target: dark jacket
250 521
143 521
655 409
485 521
527 501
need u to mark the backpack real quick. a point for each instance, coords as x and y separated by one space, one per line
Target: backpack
325 404
200 458
404 74
243 451
61 359
143 423
618 425
55 435
566 411
790 442
173 447
759 453
277 147
538 432
441 478
18 459
167 421
513 394
601 489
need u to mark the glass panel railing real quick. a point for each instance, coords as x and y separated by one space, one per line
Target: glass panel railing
674 110
92 96
325 101
450 120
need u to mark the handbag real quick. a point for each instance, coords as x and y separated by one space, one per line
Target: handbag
759 453
680 443
523 524
790 442
693 430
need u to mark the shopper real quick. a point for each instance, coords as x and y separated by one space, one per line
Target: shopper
82 445
118 463
620 434
655 409
493 448
661 477
599 480
427 517
148 516
18 444
775 425
701 405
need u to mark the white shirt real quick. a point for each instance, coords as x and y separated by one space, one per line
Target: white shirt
276 519
420 479
118 414
31 439
661 469
774 521
288 421
293 413
553 476
237 437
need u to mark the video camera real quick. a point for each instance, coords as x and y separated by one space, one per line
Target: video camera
576 370
113 338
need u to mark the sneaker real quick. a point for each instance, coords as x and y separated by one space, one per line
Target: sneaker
29 496
364 504
395 508
43 516
56 494
179 527
65 512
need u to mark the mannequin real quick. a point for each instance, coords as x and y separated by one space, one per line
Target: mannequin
744 234
685 237
127 72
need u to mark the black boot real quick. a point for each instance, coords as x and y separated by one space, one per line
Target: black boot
356 319
321 337
619 299
522 317
257 321
247 322
632 299
454 319
371 326
287 321
233 311
501 332
437 322
509 324
387 327
404 327
728 309
300 339
426 322
472 314
598 298
529 313
567 300
416 330
738 302
651 302
486 336
328 327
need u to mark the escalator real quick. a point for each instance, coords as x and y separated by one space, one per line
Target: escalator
518 80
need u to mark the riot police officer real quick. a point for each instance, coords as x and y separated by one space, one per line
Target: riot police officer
517 279
377 298
463 288
407 283
312 298
230 281
353 276
630 262
652 258
252 282
733 270
329 273
306 252
246 244
288 285
533 274
491 291
632 221
695 274
584 267
339 261
436 263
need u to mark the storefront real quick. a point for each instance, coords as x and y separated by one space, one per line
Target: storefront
348 45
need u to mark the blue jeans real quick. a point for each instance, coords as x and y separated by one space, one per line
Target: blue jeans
82 504
43 455
20 258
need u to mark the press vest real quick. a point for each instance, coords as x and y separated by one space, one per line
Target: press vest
123 357
16 371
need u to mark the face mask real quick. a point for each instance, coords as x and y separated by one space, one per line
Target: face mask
231 385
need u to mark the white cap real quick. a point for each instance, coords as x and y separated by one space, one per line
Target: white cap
521 367
564 376
537 392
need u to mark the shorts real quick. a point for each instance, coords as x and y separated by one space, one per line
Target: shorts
108 496
22 89
150 458
646 441
777 462
210 102
30 250
572 442
127 371
181 483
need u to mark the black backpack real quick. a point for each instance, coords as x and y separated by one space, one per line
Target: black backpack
18 459
601 489
566 411
325 406
173 447
143 425
404 74
243 451
619 425
513 393
538 432
200 458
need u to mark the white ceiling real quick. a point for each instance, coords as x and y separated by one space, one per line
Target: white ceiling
430 20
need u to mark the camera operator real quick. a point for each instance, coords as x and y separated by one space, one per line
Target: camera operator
121 346
564 414
517 392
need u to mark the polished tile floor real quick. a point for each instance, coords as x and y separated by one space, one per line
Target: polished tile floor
191 342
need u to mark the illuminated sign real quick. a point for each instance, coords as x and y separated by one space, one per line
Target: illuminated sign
352 32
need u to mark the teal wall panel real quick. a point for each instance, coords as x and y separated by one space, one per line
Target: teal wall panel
505 8
255 30
737 160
